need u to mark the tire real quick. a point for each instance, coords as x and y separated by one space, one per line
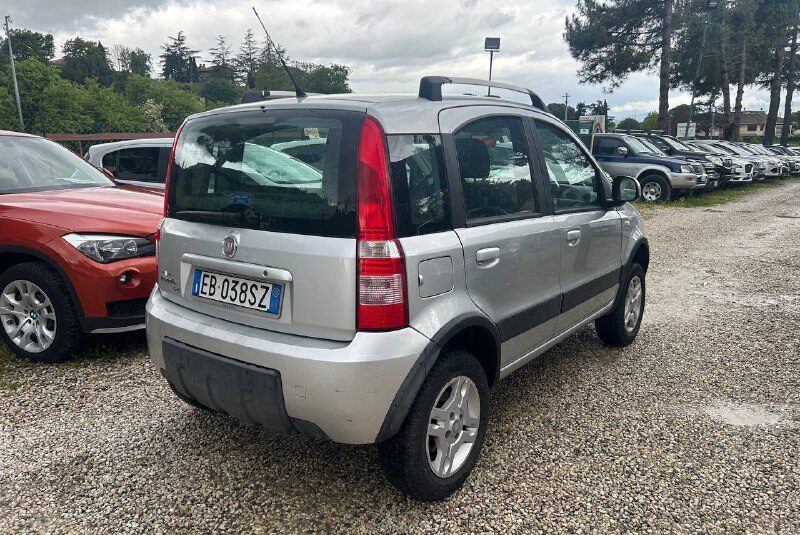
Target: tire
406 457
656 188
612 328
56 332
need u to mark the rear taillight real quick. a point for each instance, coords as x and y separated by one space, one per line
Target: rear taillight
382 299
158 237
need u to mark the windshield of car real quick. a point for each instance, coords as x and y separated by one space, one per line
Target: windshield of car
675 144
638 146
278 170
726 149
651 148
36 164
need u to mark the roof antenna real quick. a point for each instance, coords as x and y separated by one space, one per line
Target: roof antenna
297 90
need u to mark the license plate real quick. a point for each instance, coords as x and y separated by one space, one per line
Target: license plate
244 293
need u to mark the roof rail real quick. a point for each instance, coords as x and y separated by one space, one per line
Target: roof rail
430 88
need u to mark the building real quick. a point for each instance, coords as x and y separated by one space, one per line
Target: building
754 124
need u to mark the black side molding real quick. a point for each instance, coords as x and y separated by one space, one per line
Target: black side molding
594 287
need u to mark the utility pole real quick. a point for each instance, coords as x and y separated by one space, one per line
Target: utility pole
566 106
14 73
712 4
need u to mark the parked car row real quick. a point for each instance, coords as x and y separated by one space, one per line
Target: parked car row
667 167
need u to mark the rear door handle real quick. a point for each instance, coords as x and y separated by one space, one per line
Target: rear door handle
573 237
489 255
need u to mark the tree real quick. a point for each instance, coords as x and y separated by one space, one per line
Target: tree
743 22
778 18
218 90
178 103
629 124
129 60
86 59
651 121
791 82
557 109
221 53
247 60
614 38
328 80
178 61
28 44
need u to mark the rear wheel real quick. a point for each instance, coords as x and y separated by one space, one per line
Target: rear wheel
441 438
656 188
38 317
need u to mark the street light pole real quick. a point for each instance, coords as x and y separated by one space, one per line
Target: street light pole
491 45
711 5
14 73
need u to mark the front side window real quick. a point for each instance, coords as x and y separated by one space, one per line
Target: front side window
139 163
35 164
419 184
279 170
494 164
573 178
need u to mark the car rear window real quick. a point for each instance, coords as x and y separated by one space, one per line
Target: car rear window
419 184
278 170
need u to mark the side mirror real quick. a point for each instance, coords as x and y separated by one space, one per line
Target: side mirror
622 151
625 189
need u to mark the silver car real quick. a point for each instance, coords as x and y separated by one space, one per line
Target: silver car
373 288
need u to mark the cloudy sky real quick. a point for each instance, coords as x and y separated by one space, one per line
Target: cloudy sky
388 44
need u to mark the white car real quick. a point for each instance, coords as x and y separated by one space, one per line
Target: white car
135 162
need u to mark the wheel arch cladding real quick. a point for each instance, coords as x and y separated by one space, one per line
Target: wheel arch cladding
644 173
472 332
12 255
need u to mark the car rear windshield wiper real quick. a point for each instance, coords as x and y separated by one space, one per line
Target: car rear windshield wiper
206 216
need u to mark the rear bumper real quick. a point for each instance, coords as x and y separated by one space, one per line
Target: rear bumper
342 389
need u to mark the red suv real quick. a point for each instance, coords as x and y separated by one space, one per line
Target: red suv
77 253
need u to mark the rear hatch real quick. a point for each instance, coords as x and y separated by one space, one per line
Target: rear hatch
261 220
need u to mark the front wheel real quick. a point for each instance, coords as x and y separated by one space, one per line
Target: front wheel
656 188
38 317
621 325
439 443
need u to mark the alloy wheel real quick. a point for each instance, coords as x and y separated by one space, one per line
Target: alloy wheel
651 191
28 316
633 304
453 426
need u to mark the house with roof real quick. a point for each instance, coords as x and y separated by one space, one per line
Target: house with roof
754 124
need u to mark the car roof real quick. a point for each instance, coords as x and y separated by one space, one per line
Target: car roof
10 133
398 113
153 142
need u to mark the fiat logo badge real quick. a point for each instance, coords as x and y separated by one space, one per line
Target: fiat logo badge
230 245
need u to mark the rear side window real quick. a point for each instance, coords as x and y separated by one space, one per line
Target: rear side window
278 170
494 164
419 184
140 163
110 161
607 146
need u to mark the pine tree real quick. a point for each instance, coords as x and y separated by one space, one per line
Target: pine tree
247 60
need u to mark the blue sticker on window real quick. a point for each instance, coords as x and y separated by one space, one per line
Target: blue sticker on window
241 198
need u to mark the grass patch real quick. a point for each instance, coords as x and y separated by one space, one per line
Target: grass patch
700 199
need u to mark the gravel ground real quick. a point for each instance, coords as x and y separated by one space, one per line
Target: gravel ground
694 428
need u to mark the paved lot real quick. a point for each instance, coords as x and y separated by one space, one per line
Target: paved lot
696 427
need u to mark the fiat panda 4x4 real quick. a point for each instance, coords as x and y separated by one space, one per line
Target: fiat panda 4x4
365 268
